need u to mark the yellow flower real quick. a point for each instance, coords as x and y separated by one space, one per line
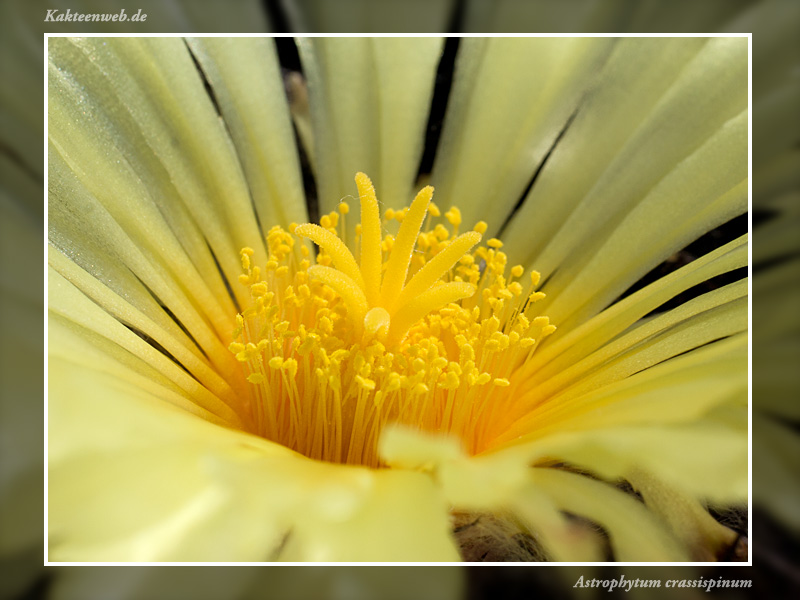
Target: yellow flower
405 378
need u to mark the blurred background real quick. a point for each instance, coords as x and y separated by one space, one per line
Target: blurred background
775 541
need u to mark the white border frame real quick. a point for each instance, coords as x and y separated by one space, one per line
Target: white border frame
749 562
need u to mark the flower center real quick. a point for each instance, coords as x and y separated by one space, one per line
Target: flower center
426 330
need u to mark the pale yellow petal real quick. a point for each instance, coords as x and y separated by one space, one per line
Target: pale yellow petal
136 271
171 338
676 390
686 517
80 346
564 539
510 99
132 478
572 344
634 533
74 306
258 121
710 317
401 516
154 104
369 101
703 191
705 459
639 73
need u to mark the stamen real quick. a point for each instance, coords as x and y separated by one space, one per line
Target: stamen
333 356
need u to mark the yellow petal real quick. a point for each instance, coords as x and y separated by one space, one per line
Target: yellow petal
258 121
491 141
369 100
634 533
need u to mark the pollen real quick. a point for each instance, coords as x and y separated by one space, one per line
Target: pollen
423 328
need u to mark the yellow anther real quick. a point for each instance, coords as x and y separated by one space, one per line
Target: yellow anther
290 366
467 353
255 378
334 382
451 381
491 325
502 382
453 216
276 362
517 270
440 232
344 207
393 383
326 325
259 289
367 384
